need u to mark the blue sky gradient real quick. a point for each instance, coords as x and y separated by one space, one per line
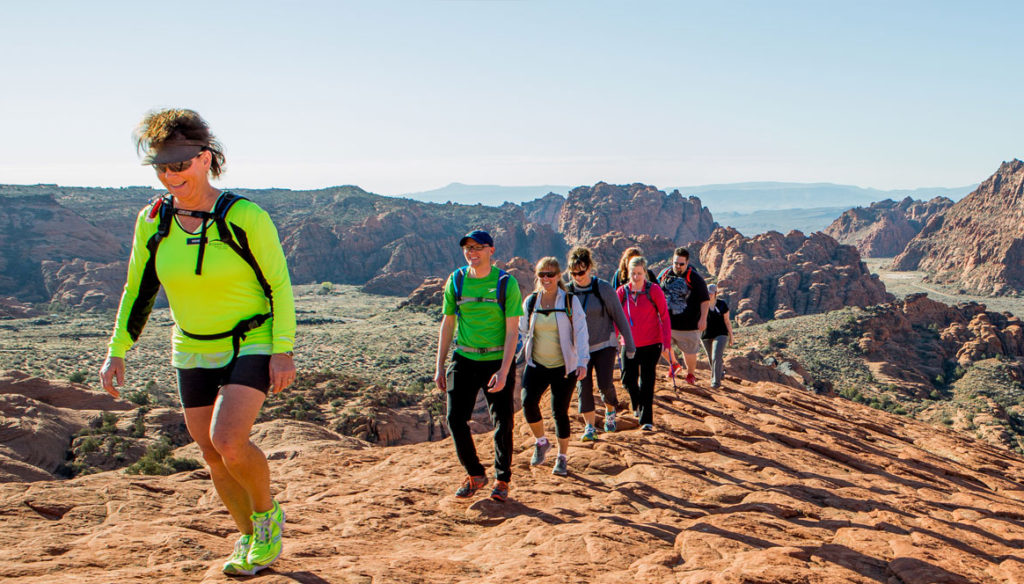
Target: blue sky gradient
399 97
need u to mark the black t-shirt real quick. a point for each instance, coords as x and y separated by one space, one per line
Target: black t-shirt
684 295
716 320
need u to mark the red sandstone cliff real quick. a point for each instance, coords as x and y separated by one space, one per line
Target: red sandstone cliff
635 209
884 228
977 244
778 276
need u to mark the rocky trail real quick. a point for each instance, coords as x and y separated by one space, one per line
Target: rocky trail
753 482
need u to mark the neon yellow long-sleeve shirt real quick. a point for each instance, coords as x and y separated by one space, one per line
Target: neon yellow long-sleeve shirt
226 292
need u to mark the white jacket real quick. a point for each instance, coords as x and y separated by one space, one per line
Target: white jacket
572 336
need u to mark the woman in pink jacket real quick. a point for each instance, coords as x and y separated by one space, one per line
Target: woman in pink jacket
644 304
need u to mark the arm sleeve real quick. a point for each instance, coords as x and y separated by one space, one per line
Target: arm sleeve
580 333
266 248
614 305
666 326
513 299
140 289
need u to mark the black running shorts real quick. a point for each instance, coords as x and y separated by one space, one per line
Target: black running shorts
199 387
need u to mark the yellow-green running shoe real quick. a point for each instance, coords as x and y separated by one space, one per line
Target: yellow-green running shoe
266 545
238 564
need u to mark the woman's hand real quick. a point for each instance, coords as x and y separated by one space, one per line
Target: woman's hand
282 371
113 368
580 372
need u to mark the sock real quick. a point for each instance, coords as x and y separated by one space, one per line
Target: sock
542 440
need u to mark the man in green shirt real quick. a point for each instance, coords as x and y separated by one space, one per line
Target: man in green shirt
487 331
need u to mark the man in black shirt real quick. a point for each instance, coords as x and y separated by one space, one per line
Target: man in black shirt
688 303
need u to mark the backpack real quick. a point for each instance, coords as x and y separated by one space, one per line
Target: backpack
231 235
458 279
665 272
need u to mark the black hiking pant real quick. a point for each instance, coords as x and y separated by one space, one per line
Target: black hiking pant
466 378
641 391
536 380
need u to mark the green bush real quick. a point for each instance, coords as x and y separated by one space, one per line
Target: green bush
158 461
78 377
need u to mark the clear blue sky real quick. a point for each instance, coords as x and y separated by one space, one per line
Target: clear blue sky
407 96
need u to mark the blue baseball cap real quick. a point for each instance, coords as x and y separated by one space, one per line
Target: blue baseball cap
481 237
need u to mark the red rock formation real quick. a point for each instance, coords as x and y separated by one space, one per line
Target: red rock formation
978 244
11 307
636 209
85 285
545 210
779 276
38 419
395 250
37 228
897 333
607 249
749 483
884 228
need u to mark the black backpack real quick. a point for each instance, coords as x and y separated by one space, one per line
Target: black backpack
231 235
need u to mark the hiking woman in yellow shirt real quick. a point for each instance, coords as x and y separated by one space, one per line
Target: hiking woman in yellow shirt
220 262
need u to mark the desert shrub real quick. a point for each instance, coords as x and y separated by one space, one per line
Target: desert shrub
158 461
78 376
139 425
138 397
325 288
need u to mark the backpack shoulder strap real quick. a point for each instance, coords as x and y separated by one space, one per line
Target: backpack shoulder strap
662 274
502 289
531 304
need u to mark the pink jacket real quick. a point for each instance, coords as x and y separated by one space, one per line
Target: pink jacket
648 320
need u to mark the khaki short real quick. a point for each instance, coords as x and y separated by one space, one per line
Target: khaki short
687 341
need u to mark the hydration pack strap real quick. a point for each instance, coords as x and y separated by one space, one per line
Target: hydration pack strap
237 334
480 350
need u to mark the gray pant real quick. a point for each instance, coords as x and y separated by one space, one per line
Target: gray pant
715 349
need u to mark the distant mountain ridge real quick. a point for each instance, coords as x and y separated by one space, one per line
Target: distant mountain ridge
743 197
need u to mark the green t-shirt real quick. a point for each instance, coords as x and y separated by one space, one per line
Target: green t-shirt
482 324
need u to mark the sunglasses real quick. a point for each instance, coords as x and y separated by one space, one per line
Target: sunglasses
681 263
579 273
475 248
175 166
547 274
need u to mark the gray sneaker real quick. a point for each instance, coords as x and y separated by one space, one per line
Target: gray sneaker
561 466
540 452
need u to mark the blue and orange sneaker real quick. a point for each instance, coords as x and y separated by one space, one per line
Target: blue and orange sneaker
470 486
500 491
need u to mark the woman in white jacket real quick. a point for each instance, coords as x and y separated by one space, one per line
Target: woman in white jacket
557 350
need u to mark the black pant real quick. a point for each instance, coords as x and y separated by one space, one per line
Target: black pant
641 395
536 379
466 378
602 363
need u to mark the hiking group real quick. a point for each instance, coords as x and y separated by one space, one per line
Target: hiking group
565 334
224 272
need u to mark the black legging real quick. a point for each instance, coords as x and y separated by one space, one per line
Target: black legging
641 395
536 379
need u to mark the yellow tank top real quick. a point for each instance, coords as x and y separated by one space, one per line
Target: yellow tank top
547 351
